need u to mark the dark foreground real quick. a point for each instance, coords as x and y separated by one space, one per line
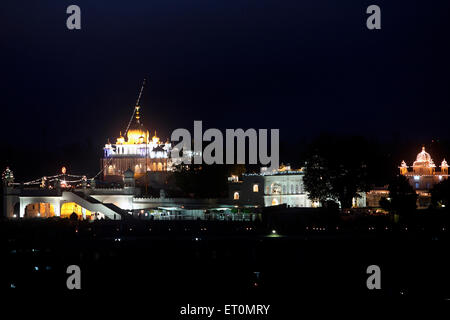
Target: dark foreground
167 264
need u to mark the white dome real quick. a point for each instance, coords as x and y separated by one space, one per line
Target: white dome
423 159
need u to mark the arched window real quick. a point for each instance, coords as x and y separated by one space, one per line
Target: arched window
236 196
276 188
274 202
296 188
255 188
292 188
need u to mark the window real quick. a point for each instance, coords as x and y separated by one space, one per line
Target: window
292 188
276 188
236 196
296 188
255 188
274 202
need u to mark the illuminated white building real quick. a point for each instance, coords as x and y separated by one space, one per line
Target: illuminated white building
137 151
424 175
282 186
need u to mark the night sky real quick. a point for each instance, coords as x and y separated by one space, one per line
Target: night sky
305 67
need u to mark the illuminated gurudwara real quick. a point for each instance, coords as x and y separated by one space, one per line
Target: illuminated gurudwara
137 151
424 175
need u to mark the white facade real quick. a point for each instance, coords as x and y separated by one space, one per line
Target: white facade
283 186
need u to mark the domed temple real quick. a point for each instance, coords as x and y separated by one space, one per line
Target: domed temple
137 151
424 174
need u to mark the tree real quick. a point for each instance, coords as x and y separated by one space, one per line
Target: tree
402 197
440 195
317 179
337 169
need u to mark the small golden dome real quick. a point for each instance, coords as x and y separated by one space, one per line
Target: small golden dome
120 139
155 138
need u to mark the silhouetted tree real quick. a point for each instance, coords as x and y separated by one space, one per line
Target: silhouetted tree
317 179
337 169
402 197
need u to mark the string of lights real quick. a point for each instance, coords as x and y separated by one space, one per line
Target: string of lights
49 179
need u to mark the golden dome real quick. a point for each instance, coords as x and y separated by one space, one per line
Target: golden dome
136 136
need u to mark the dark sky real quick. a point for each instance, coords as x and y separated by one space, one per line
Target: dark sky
304 66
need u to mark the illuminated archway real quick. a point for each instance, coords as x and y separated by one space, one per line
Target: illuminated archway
68 208
276 188
39 210
110 169
274 202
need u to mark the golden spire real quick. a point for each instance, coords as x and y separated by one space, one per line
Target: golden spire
138 101
137 114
